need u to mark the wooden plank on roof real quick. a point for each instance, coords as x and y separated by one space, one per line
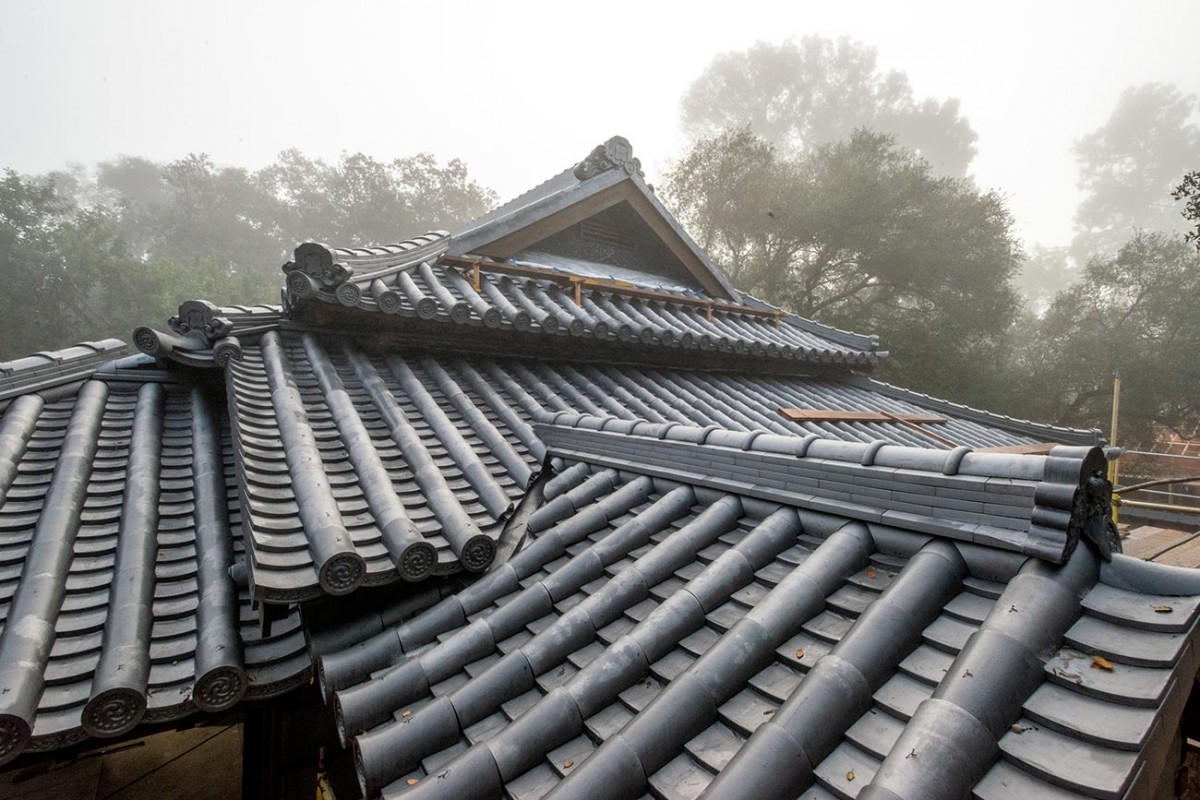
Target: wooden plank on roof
1036 449
579 282
828 415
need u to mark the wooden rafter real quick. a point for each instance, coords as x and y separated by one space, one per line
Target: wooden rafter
910 421
578 283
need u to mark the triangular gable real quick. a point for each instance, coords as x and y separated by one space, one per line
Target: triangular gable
604 200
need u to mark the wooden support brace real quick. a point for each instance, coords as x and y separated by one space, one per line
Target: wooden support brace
478 265
911 425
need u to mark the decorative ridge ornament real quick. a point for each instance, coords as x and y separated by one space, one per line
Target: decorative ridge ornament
316 261
202 316
616 153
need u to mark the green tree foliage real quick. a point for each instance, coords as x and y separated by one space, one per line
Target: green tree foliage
1188 191
861 234
73 277
799 95
1129 165
92 254
1135 313
360 200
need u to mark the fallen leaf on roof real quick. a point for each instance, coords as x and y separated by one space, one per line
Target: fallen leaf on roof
1019 728
412 781
1100 662
768 712
871 574
799 654
568 764
1163 609
407 713
850 775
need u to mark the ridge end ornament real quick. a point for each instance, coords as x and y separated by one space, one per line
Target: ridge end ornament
616 153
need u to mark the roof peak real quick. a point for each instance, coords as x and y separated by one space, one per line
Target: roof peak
616 153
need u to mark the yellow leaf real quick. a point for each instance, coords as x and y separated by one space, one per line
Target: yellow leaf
799 654
1100 662
412 781
871 574
1163 609
407 713
568 764
850 775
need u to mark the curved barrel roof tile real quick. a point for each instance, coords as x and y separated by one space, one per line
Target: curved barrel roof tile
117 548
678 641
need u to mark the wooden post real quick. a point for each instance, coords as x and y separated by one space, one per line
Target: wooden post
475 276
1113 469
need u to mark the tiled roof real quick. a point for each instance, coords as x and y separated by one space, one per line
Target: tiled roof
47 370
118 533
541 303
660 639
361 469
1025 504
361 466
695 550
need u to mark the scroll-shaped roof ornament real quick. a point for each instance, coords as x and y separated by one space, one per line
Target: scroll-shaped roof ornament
312 268
205 334
616 153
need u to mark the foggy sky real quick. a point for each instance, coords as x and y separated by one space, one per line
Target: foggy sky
522 90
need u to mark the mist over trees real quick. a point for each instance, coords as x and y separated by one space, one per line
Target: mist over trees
1129 165
862 235
93 253
821 184
800 95
818 181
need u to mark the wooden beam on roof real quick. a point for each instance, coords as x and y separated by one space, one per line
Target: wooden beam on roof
579 282
910 421
1036 449
826 415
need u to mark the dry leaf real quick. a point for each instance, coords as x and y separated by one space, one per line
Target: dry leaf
850 775
768 712
412 781
871 574
568 764
1100 662
799 654
1018 728
1163 609
407 713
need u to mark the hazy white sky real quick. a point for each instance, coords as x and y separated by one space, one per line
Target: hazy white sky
522 90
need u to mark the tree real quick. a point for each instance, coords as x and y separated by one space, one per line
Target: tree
362 201
1189 192
1045 273
798 96
1128 167
94 253
73 276
860 234
1133 313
